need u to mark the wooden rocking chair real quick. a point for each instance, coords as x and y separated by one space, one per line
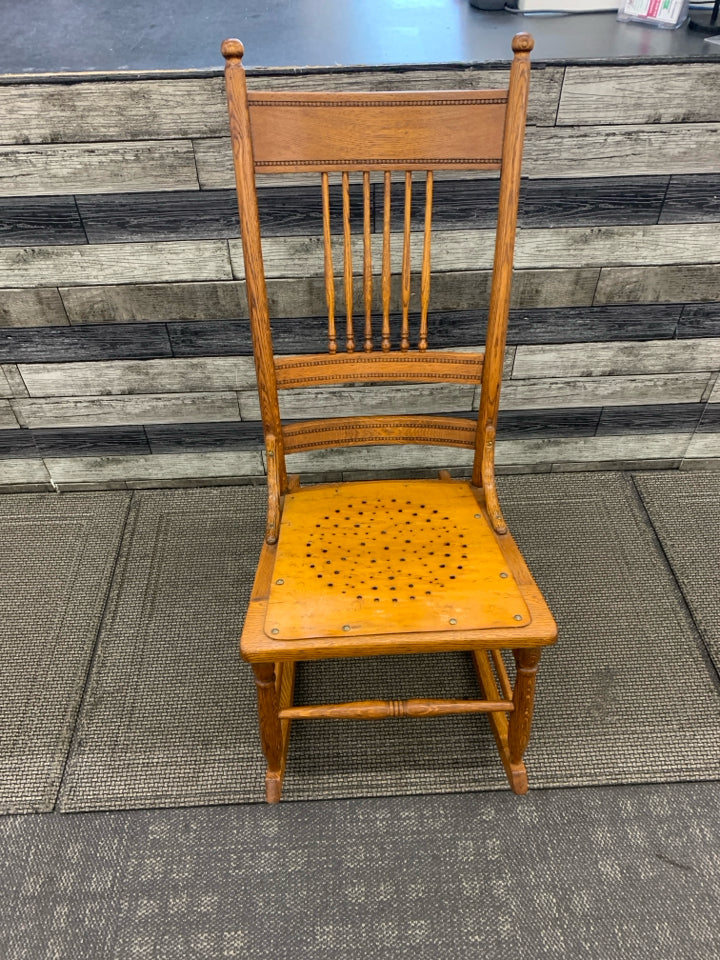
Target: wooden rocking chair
386 566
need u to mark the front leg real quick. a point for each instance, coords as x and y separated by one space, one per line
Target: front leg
270 728
526 661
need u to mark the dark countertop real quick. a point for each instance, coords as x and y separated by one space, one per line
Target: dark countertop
67 36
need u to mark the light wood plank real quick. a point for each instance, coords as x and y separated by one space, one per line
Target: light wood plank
391 399
115 263
715 395
32 307
661 93
622 150
691 283
15 472
455 250
592 449
614 359
5 389
130 303
237 463
7 417
196 107
107 411
601 391
14 381
97 168
123 377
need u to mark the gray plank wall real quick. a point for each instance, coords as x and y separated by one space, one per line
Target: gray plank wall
125 351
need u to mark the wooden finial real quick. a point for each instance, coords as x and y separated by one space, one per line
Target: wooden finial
232 49
521 43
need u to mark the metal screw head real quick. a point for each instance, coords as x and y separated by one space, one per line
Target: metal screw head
453 620
478 516
518 616
280 582
504 575
346 627
274 631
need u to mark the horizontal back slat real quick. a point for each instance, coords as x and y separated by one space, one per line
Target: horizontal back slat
361 431
294 132
318 369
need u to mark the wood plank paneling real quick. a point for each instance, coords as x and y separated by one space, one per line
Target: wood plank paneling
594 324
593 450
115 263
97 168
614 359
5 389
364 401
17 444
602 391
305 296
196 437
640 93
98 342
21 472
238 463
121 377
39 220
699 320
661 418
460 250
15 381
32 307
7 416
91 441
207 214
526 424
127 410
142 302
166 109
223 338
669 284
692 200
465 204
112 110
650 149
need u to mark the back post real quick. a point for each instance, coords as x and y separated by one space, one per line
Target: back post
514 134
232 51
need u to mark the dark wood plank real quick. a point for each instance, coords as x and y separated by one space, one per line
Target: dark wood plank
463 204
39 221
210 214
17 445
196 437
647 419
699 320
710 420
692 199
523 424
594 324
91 442
117 303
591 201
101 342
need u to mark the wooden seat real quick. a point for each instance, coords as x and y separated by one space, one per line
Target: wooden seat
385 566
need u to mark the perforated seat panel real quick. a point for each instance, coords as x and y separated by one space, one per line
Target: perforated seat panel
388 557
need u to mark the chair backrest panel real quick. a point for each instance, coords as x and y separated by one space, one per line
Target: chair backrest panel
282 132
295 133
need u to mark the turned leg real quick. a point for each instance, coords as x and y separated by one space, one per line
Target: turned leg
526 661
270 728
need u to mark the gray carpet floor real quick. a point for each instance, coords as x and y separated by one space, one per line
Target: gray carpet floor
57 556
685 512
618 873
168 718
